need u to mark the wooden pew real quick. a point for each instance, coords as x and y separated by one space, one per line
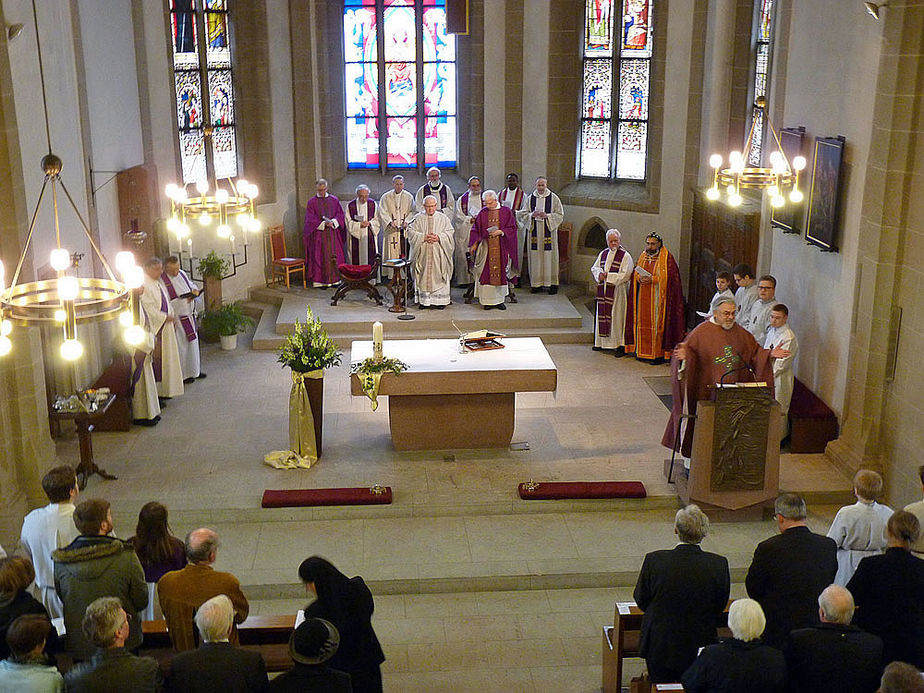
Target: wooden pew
622 639
268 635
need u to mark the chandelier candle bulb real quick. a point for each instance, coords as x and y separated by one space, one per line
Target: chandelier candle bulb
6 346
60 259
377 340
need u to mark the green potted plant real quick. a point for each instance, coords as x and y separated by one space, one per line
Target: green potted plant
307 351
226 321
212 268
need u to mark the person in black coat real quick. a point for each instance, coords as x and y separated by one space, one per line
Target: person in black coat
347 603
16 574
889 592
217 665
790 570
741 663
683 592
834 656
311 646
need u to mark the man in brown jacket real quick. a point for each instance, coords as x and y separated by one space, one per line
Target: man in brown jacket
181 592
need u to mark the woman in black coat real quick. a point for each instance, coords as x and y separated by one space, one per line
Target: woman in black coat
16 574
889 593
347 603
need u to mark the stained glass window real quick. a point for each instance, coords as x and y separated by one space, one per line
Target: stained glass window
399 84
203 88
617 70
763 32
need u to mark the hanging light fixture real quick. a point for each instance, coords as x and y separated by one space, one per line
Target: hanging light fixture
780 178
69 299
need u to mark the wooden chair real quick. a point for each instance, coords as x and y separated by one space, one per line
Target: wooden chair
283 266
358 277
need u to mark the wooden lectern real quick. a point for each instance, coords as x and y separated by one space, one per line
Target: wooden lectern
735 461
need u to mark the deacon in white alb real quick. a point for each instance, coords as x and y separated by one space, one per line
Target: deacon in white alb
611 271
182 294
431 239
781 335
467 207
168 371
395 210
436 187
545 215
363 227
513 198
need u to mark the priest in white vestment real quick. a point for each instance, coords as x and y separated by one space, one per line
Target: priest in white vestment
859 530
363 227
431 237
513 198
467 207
436 187
611 271
780 334
545 215
182 294
168 371
395 209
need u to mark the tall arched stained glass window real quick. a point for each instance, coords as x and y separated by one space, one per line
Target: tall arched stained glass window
208 147
399 84
763 31
616 88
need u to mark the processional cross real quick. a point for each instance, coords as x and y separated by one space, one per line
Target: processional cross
729 360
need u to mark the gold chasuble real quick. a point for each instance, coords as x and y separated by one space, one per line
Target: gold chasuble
651 305
498 275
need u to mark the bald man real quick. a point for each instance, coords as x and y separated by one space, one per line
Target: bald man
181 592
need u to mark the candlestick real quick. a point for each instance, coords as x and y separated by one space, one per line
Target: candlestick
377 336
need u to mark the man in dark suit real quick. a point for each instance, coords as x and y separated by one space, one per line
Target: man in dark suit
217 665
683 591
833 656
790 570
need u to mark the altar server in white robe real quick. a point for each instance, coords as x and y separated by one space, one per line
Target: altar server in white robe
436 187
859 530
431 238
513 198
395 209
182 294
545 215
780 334
467 207
363 227
168 373
611 271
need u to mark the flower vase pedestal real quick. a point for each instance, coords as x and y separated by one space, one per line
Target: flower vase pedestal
306 414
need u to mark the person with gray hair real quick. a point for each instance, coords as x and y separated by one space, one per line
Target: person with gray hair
182 592
611 270
324 237
683 592
395 209
217 665
431 237
739 663
363 228
790 570
492 245
901 677
833 656
112 668
859 530
436 187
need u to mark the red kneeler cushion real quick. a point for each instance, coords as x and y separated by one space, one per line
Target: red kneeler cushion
560 490
355 272
325 496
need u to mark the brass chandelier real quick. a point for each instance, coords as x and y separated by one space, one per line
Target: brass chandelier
777 179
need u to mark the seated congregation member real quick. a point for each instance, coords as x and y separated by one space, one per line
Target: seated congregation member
181 592
901 677
16 574
431 238
217 666
682 591
859 530
612 271
113 667
740 663
311 645
545 214
157 549
28 670
790 570
492 247
889 593
833 656
97 565
347 604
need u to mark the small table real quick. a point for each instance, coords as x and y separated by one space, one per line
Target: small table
398 286
84 422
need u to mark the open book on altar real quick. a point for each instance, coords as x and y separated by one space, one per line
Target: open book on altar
481 340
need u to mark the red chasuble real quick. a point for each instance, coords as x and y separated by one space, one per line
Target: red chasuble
654 315
713 351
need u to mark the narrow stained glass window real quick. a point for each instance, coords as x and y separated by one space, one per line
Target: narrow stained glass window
763 31
617 76
399 82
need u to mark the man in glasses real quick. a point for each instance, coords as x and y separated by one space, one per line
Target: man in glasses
758 321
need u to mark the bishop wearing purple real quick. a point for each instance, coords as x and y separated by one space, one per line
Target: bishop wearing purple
324 236
493 245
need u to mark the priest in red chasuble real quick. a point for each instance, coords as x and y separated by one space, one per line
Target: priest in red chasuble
654 316
493 245
717 347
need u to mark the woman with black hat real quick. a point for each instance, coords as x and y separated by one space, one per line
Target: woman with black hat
311 646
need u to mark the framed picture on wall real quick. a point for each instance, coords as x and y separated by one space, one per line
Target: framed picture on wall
791 217
824 201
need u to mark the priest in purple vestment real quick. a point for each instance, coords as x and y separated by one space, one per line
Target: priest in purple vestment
493 245
324 236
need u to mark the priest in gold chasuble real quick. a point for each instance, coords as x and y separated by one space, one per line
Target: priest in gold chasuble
492 244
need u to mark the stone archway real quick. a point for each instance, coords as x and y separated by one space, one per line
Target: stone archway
593 235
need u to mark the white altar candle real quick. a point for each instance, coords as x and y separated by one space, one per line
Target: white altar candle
377 335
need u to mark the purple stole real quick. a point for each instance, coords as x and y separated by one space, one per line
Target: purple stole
606 295
186 321
370 237
464 203
533 233
442 193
